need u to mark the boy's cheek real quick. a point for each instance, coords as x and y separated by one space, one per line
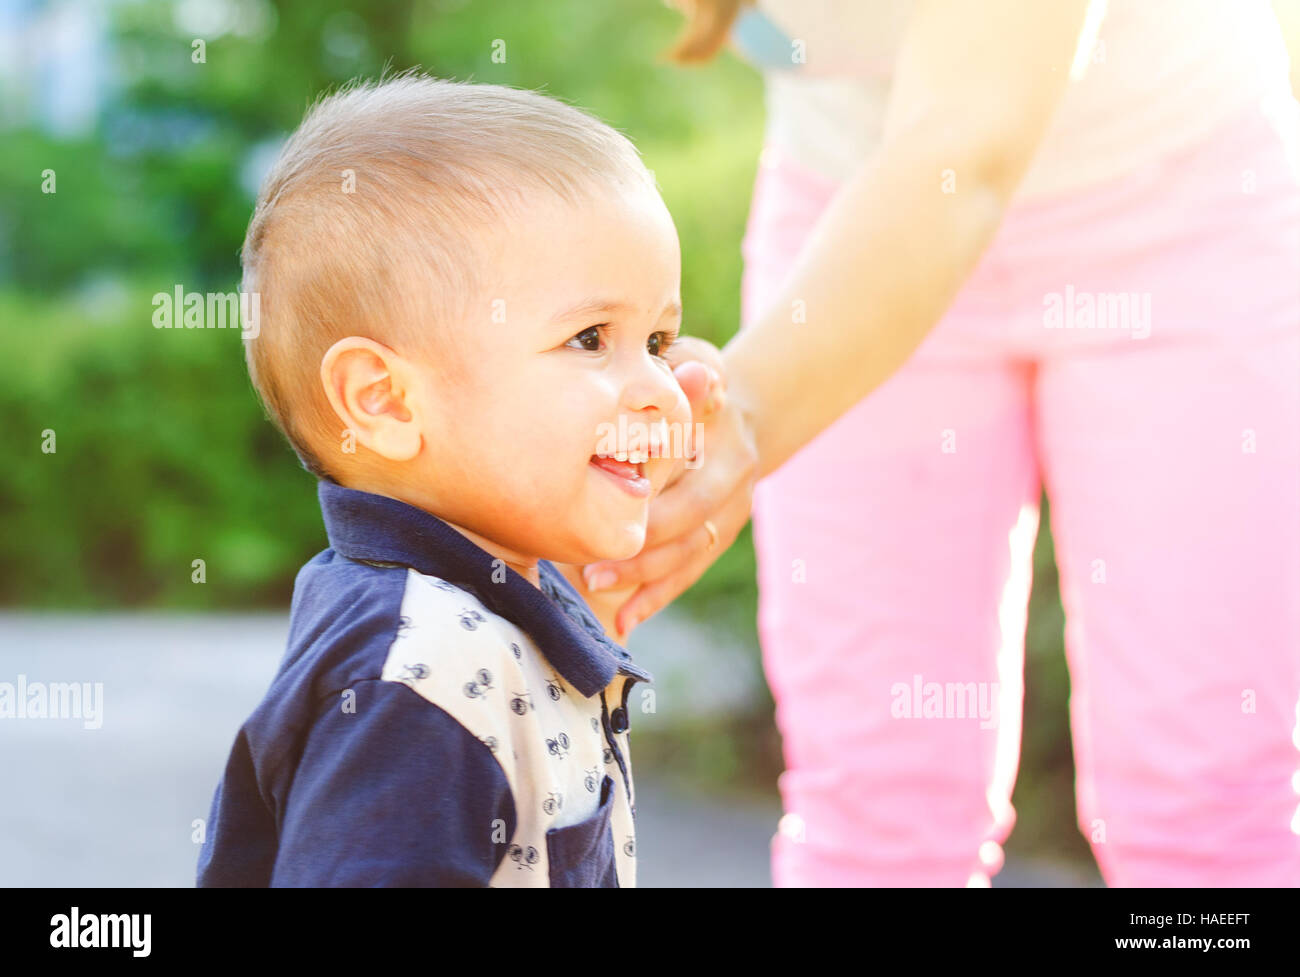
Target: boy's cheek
663 472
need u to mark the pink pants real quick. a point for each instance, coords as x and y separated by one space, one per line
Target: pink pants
895 549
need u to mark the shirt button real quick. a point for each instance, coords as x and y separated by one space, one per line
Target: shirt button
618 720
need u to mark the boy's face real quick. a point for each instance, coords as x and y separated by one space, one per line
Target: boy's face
579 305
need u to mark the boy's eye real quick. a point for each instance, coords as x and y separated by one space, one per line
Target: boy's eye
658 343
589 339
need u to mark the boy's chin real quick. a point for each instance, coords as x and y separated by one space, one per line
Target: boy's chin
618 542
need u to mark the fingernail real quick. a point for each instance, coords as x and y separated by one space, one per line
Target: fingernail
716 396
599 579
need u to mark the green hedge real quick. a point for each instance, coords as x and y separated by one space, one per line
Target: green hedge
161 457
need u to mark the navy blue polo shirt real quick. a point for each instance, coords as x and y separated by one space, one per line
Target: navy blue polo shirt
437 720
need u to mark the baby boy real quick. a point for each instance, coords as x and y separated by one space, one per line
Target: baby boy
467 294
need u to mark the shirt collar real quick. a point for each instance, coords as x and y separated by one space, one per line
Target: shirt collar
376 529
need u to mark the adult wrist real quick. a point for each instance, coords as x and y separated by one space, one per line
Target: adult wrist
747 403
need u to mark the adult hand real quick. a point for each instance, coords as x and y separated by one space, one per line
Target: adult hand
703 507
698 371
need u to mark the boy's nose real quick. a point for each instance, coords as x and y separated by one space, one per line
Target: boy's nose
652 399
653 391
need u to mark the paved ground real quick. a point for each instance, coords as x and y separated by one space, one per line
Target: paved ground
115 805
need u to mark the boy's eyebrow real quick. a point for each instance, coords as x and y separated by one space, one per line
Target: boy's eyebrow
600 306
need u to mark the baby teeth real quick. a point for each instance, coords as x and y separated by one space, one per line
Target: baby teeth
632 457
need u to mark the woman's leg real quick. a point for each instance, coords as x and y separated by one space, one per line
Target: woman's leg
1174 475
894 569
1171 455
895 555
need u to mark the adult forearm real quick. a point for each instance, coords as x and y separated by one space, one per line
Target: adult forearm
879 270
1288 15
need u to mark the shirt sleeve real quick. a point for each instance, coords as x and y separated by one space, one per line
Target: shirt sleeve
394 792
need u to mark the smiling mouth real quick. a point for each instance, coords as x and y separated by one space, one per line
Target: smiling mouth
627 468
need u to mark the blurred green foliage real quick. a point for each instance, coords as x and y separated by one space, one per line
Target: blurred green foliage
163 454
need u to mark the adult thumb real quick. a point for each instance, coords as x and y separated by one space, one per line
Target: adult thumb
702 385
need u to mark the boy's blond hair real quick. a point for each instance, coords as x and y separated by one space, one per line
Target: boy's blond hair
366 223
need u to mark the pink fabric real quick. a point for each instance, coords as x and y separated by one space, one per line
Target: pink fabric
895 549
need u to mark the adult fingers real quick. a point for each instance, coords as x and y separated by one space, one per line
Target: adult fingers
703 387
693 348
697 382
649 564
679 551
727 460
695 558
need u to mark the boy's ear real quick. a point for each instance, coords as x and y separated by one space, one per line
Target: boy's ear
363 381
